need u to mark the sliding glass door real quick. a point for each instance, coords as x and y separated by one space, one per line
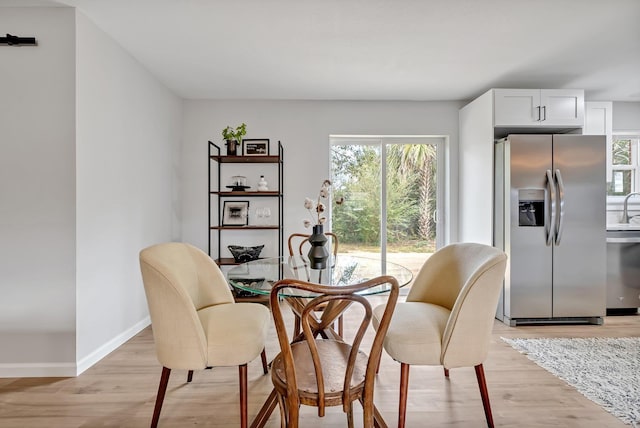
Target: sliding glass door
392 190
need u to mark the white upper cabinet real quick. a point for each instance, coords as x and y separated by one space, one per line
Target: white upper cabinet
539 108
598 120
562 107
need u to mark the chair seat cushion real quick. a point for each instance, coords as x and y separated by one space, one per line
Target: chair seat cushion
235 332
414 335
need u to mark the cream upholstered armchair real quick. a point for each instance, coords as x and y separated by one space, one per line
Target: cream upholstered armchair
196 323
448 315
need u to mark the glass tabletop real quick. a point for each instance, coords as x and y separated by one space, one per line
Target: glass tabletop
258 276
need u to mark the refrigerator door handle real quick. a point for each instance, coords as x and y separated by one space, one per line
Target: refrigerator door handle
551 223
561 203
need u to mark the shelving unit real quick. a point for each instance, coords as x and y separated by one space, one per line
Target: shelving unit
216 196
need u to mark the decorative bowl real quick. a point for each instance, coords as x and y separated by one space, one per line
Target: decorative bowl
245 254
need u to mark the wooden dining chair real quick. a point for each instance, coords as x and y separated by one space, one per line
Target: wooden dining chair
298 244
196 323
448 316
321 369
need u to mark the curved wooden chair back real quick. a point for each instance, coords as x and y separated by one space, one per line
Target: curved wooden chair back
298 241
297 244
321 369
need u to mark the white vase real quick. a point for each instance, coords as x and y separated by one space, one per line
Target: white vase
262 184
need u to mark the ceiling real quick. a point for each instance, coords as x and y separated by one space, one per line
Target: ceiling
376 49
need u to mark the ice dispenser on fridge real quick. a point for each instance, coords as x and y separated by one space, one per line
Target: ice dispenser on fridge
531 207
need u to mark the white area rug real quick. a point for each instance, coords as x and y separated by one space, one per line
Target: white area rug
605 370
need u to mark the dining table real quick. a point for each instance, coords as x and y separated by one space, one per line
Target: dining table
255 278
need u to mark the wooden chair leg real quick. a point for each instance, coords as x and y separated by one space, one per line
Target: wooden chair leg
404 389
243 395
371 417
484 393
350 415
190 376
341 326
446 372
293 416
282 405
265 365
162 388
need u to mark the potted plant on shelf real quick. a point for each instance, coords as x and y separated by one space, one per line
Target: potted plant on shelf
234 138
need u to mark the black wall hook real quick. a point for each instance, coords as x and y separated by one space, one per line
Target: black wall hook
18 41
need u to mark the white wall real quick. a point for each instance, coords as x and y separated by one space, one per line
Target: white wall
128 157
37 193
304 128
626 116
89 161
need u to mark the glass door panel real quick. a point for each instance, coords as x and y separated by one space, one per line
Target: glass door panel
356 178
391 198
411 202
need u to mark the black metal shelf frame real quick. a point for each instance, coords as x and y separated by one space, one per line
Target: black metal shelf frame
215 156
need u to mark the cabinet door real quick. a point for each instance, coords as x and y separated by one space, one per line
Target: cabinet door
598 120
562 107
516 107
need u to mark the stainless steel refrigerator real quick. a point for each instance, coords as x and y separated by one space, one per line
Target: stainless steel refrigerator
550 219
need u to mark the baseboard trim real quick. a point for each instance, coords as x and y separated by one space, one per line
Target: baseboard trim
45 369
37 370
91 359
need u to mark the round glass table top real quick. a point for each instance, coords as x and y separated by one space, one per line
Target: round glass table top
258 276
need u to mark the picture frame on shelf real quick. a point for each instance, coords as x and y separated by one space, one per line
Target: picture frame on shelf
255 147
235 213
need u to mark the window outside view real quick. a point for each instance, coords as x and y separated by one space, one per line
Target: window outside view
390 210
624 169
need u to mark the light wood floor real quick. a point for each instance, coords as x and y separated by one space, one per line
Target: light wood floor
120 391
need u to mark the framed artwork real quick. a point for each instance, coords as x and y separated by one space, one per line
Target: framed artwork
235 213
256 147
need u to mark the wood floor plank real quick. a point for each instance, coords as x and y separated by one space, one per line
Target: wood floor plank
119 391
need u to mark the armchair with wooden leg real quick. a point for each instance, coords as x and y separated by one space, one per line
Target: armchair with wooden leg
298 244
196 323
321 369
448 315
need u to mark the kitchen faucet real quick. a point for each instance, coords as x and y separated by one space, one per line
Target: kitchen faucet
625 214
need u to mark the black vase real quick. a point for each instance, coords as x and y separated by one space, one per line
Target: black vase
232 147
318 253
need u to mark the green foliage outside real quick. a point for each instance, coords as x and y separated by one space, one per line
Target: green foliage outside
620 155
411 196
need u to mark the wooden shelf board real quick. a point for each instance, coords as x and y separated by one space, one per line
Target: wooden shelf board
246 159
246 193
226 261
229 261
273 227
258 298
